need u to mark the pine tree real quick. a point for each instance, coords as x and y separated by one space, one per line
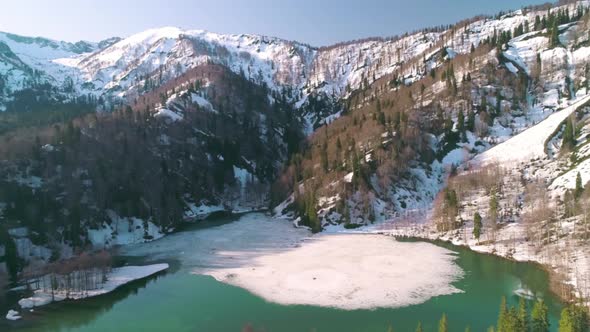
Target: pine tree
579 187
523 316
566 322
493 208
443 325
540 317
554 35
419 327
470 120
477 224
568 141
503 317
461 125
10 254
324 156
573 319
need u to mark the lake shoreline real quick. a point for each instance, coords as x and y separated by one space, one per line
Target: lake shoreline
556 281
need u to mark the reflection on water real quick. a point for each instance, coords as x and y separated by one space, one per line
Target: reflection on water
79 313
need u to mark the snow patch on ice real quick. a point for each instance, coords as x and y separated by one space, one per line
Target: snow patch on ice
347 272
13 315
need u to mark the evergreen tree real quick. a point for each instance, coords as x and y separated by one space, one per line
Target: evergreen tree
568 141
461 125
554 35
540 317
477 225
443 325
503 317
470 120
573 319
579 187
566 322
523 316
10 254
324 157
419 328
493 208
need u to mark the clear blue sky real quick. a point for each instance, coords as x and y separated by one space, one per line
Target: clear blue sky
317 22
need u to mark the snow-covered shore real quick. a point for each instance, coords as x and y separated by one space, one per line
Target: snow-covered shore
559 259
116 278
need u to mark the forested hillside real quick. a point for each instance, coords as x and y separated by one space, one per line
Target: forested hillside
211 141
121 141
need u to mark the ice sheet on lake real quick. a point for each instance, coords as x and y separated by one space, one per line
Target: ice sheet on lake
286 265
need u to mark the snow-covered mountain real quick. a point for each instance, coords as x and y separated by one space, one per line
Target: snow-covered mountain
28 61
123 67
155 56
127 67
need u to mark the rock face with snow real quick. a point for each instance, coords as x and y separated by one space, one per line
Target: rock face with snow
27 62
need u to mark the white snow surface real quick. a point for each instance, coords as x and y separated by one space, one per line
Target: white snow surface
13 315
279 262
166 113
116 278
348 271
530 143
568 180
201 211
122 231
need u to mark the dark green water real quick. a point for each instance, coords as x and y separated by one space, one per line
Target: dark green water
179 301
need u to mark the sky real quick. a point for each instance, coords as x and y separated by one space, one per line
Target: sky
316 22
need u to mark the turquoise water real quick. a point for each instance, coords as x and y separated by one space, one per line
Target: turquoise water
180 301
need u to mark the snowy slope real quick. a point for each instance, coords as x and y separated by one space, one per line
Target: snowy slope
530 143
27 60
